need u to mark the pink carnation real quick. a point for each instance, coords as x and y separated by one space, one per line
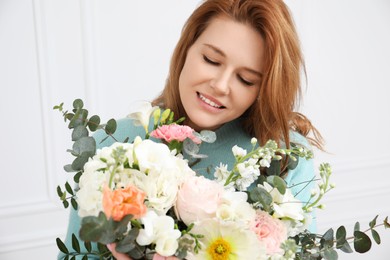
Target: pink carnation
173 132
270 231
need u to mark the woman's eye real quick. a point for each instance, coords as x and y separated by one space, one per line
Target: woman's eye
245 82
210 61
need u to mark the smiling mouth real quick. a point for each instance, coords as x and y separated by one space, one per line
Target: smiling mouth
209 102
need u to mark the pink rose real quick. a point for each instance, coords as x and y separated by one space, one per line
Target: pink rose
198 199
270 231
173 132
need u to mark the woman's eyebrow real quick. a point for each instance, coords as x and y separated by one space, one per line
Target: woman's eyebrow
216 49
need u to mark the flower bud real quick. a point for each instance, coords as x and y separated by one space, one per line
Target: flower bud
322 206
253 140
333 185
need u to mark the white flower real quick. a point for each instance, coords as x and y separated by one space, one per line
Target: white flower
226 240
142 116
285 205
159 230
234 207
238 151
221 173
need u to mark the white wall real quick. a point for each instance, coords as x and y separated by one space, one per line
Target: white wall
113 53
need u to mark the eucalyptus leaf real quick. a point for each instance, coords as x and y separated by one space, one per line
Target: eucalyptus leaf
292 163
330 254
362 243
341 237
79 162
373 222
278 183
93 122
327 239
357 226
128 243
110 127
85 144
95 229
376 236
78 104
346 248
207 136
259 194
386 222
274 168
79 132
68 168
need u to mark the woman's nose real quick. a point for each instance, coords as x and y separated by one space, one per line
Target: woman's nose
221 83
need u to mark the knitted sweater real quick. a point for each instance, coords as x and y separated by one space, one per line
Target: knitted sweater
228 135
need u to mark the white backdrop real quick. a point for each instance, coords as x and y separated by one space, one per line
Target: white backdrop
113 53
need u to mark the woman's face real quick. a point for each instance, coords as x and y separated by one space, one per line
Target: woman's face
221 76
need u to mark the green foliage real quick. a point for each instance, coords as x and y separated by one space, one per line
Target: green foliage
84 145
102 252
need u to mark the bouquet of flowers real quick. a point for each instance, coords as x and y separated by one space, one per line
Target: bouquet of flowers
144 197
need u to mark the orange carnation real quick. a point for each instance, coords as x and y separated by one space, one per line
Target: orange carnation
122 202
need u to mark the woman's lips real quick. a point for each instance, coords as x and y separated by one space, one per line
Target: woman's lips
210 101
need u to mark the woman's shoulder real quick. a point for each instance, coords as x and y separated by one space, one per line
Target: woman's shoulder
126 130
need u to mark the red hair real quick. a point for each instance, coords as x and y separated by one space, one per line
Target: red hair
272 115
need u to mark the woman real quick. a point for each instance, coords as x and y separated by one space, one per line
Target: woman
236 71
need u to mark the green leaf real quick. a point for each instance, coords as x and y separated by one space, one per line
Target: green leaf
274 168
386 223
79 162
79 118
59 191
128 243
357 226
341 233
259 194
78 104
74 203
110 126
79 132
69 188
278 183
330 254
94 122
85 145
327 239
376 236
362 243
76 178
207 136
65 203
85 257
97 229
88 246
75 243
61 246
346 248
292 164
373 222
68 168
341 240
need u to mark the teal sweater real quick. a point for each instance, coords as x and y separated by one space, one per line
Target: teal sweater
228 135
